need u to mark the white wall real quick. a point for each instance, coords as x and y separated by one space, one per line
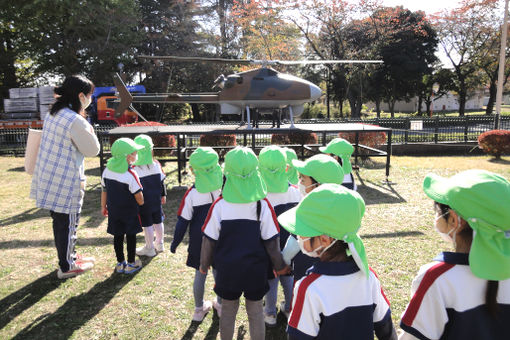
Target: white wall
447 102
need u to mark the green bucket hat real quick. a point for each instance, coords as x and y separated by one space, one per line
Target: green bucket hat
273 165
145 154
244 183
482 198
208 175
292 174
120 149
341 148
323 168
331 210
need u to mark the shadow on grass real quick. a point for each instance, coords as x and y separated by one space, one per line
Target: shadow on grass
81 242
241 332
93 171
392 235
76 311
377 194
27 215
279 331
24 298
369 163
92 241
212 333
499 161
214 329
18 169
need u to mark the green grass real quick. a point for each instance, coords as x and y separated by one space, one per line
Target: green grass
157 302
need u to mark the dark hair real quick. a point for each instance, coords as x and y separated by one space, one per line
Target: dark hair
313 180
338 250
69 92
491 292
443 209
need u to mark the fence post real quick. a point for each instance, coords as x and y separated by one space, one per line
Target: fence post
406 133
436 130
466 120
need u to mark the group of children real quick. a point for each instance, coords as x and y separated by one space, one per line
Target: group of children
132 197
256 228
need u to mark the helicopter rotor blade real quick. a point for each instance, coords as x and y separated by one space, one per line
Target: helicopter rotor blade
204 59
317 62
258 62
125 97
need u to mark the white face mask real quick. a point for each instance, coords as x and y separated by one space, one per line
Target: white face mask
313 253
302 188
85 102
447 237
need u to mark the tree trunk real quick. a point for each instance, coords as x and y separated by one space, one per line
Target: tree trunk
195 112
9 71
223 26
353 101
420 101
378 107
392 107
492 97
462 103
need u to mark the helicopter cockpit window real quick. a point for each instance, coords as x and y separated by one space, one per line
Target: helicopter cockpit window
271 72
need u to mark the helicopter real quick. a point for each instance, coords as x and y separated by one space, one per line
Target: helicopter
263 88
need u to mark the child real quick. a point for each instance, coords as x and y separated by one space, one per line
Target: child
152 178
292 174
240 239
193 210
315 171
282 196
340 298
465 294
341 150
120 200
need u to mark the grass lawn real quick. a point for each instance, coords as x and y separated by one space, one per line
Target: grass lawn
157 302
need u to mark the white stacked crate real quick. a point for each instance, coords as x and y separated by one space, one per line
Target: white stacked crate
22 104
46 99
24 92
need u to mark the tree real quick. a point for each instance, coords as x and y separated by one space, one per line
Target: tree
264 33
464 41
171 28
74 37
324 25
224 35
487 56
433 87
406 42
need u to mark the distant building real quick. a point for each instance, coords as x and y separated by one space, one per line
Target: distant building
448 102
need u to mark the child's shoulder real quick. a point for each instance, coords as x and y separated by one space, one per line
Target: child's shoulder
122 177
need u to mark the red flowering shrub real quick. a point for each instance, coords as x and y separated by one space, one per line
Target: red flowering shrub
370 139
495 142
218 140
295 137
159 141
280 139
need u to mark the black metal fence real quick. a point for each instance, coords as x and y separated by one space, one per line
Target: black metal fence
405 130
